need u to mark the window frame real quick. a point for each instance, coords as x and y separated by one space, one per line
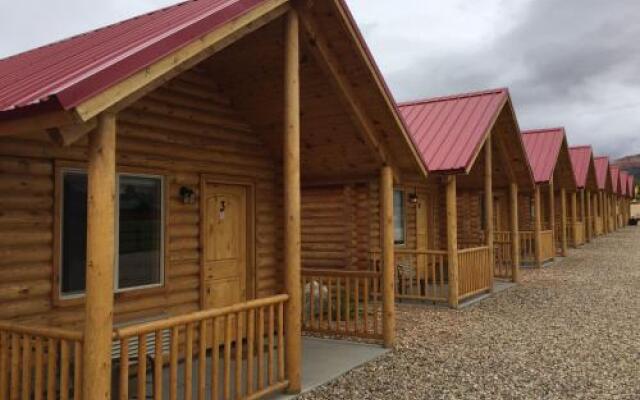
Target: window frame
116 269
404 216
60 168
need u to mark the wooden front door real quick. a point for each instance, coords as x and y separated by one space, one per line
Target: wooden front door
224 272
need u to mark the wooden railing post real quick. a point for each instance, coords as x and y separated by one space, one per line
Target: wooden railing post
515 233
292 219
563 221
488 205
388 265
589 221
574 217
538 227
552 214
452 240
101 193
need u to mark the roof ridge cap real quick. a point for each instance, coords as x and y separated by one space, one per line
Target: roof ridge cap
453 97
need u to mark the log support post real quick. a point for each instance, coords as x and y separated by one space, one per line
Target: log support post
515 233
292 218
538 226
388 261
583 215
488 206
563 222
101 193
452 240
596 213
589 216
552 214
574 218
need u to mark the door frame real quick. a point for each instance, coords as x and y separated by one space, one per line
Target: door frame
249 185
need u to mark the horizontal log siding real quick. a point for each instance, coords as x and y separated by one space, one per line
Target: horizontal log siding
185 128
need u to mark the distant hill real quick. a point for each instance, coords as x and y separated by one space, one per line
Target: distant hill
630 164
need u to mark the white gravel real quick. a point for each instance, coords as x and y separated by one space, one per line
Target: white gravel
571 331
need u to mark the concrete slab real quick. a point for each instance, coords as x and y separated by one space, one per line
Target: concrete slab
324 360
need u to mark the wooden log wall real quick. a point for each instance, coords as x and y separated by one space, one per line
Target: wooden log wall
336 226
341 223
182 130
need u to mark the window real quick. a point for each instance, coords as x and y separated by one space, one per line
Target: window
139 232
398 217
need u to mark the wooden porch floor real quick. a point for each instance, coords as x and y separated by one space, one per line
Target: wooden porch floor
322 361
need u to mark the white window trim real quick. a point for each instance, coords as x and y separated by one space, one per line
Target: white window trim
116 267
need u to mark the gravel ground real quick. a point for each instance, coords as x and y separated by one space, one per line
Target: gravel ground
571 331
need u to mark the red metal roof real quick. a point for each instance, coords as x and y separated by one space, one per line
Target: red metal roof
580 159
623 182
543 148
615 178
602 168
449 131
72 70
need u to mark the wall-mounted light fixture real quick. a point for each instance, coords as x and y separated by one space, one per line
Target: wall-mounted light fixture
413 198
188 195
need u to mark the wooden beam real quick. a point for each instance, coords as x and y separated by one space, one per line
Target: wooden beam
488 204
100 260
563 222
321 50
515 233
589 222
552 213
538 226
37 123
388 261
452 240
574 217
583 214
69 134
292 196
129 90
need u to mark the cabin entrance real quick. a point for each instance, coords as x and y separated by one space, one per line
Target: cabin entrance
224 228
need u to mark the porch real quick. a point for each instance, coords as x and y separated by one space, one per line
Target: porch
232 352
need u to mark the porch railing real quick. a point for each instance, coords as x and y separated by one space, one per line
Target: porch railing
527 246
577 227
419 274
346 303
503 256
232 352
474 271
39 362
548 248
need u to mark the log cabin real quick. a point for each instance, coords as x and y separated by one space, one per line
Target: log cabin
342 224
548 155
615 197
631 194
151 222
604 187
624 196
584 170
460 228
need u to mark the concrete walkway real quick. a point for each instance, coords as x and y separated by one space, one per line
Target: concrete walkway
324 360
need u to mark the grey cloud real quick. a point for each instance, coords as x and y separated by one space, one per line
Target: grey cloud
563 60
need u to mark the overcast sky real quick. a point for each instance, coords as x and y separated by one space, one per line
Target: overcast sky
574 63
